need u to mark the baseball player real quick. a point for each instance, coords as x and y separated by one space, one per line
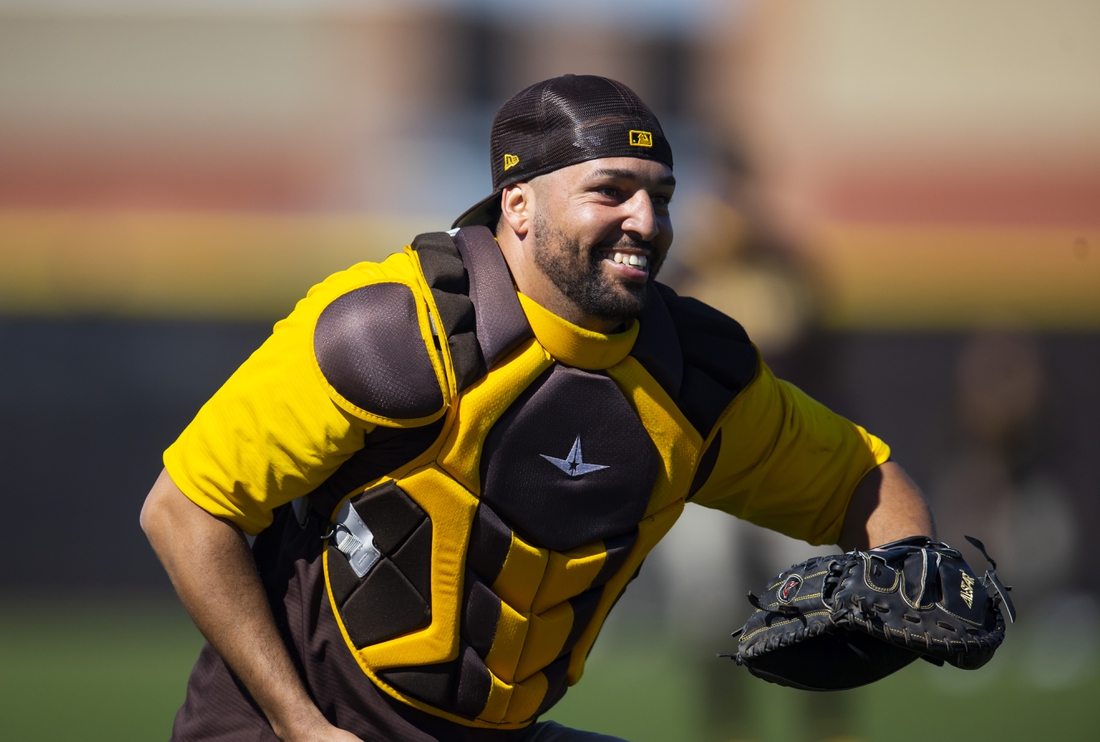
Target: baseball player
454 461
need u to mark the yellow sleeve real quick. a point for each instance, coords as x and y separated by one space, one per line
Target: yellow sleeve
273 432
787 462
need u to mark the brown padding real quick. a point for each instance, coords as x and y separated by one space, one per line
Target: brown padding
455 310
414 559
448 280
370 349
480 614
466 358
390 514
432 684
441 263
460 686
394 597
556 686
385 605
657 346
584 608
719 360
541 500
490 541
706 465
703 399
501 323
342 578
618 549
473 684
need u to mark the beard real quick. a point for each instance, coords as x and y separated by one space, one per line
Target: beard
577 271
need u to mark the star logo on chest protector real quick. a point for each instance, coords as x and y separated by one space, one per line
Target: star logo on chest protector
574 465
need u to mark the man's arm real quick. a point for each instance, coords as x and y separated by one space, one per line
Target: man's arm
886 506
211 567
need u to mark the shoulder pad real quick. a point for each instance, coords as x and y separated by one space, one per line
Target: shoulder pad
719 360
447 279
472 289
371 351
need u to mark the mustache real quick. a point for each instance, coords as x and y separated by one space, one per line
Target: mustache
626 241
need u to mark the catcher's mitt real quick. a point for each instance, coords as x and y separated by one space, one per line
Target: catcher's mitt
841 621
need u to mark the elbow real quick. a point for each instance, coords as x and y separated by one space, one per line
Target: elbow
145 518
149 516
153 513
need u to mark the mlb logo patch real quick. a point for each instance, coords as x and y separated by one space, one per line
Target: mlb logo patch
641 138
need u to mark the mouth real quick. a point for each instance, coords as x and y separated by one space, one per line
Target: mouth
630 263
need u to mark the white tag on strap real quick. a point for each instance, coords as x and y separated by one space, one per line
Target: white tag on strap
355 540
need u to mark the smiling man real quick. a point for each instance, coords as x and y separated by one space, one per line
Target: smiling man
455 461
597 233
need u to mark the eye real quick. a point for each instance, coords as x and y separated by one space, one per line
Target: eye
661 201
609 191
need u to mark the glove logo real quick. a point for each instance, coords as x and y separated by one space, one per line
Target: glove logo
790 589
966 592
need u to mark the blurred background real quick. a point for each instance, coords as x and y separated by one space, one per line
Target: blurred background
900 201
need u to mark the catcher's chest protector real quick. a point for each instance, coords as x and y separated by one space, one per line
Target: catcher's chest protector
471 581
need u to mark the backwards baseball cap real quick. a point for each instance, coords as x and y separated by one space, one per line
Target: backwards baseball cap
560 122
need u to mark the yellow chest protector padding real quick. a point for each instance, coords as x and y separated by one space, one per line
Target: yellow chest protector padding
503 546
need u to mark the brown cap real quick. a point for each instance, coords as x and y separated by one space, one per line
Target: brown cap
563 121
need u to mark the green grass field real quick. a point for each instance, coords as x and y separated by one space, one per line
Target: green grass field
93 670
644 689
116 670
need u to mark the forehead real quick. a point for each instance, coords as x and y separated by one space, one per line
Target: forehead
647 173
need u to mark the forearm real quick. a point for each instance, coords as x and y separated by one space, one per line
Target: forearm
886 506
211 567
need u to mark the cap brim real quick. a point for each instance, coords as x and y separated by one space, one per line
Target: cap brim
485 212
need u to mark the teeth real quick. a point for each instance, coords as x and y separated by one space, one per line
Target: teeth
636 261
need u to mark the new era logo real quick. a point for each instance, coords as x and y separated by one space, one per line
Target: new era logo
510 161
641 138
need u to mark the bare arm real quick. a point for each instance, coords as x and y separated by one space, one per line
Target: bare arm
886 505
211 567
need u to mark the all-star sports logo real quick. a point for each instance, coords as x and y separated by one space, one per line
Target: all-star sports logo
574 465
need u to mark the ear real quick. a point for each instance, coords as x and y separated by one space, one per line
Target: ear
516 208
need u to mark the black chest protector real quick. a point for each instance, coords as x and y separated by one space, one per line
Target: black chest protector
476 553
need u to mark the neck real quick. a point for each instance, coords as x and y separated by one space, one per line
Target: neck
535 284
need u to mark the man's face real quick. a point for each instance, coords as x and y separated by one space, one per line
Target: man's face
601 231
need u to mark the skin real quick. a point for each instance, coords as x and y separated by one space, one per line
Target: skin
578 217
581 215
211 567
885 506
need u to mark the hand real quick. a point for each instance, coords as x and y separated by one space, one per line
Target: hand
212 569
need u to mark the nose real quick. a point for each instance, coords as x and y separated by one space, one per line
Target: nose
641 219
